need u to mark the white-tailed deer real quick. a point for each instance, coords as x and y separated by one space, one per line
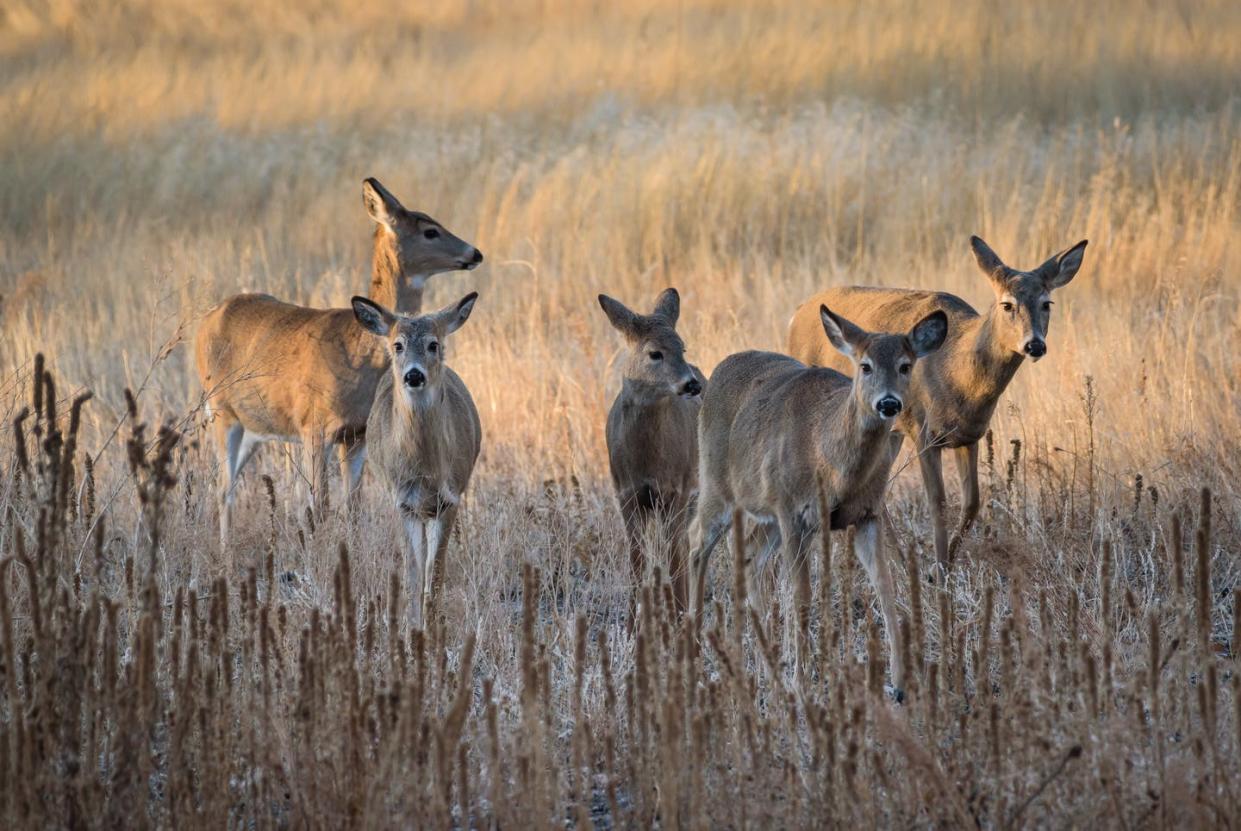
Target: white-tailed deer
273 370
652 433
955 391
423 434
772 429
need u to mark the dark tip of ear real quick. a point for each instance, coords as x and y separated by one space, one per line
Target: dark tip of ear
357 298
470 298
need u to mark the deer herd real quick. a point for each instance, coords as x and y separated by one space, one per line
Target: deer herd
780 438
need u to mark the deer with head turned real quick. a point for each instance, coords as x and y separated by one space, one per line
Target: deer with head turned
773 431
423 434
954 391
652 433
274 370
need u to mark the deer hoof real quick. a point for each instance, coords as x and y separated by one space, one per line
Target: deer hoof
897 694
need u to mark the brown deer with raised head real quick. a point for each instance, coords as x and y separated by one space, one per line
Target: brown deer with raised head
773 431
955 391
274 370
652 434
423 434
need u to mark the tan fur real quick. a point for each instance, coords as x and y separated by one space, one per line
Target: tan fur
422 442
772 428
272 370
955 390
652 434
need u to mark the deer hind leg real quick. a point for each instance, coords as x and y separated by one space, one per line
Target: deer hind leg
352 460
967 468
868 546
228 437
415 566
710 524
933 481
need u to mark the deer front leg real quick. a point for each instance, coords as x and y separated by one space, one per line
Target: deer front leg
800 551
314 464
868 546
439 530
415 566
933 481
352 459
635 516
967 469
674 516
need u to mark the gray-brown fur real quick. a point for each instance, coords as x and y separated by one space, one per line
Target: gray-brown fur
652 432
273 370
955 390
423 434
773 428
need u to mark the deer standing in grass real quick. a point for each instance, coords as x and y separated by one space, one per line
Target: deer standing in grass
423 433
773 428
955 391
652 434
274 370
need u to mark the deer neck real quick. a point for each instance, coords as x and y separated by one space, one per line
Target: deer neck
637 393
851 448
419 419
991 366
390 286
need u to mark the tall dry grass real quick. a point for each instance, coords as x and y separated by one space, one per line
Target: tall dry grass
155 157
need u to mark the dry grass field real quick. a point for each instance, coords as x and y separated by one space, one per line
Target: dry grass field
1077 667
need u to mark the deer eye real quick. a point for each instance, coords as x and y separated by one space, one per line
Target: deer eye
903 369
431 233
1006 306
656 355
867 369
1047 305
433 347
398 347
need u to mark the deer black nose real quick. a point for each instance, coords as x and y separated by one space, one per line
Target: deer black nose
1035 348
415 378
889 407
692 387
478 257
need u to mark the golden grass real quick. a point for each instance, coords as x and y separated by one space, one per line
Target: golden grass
157 156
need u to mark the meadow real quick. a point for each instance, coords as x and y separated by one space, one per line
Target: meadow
1077 667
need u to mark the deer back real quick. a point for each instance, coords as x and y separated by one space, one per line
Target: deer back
282 369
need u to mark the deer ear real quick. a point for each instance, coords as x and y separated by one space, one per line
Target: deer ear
929 333
453 318
621 318
846 337
990 264
668 306
1060 269
374 318
382 206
